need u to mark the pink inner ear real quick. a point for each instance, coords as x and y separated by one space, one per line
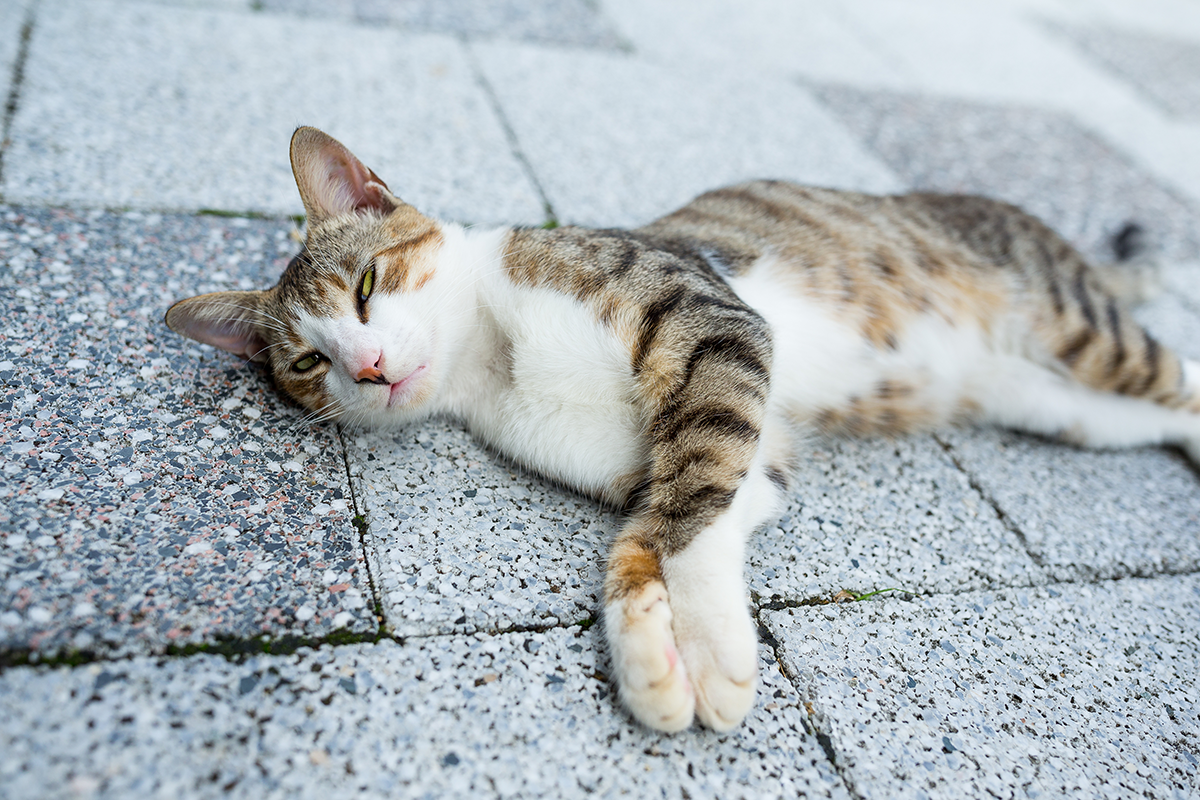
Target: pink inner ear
233 336
351 182
240 340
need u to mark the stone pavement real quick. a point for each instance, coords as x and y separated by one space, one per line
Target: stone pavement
203 595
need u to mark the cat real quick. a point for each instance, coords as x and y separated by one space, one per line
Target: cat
674 370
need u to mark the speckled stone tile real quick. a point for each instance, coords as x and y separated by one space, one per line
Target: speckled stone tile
616 140
1063 691
559 22
990 52
516 715
136 105
155 492
874 514
462 541
1090 514
1043 161
1173 315
1182 282
1165 69
780 37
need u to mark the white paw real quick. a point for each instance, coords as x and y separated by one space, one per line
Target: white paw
652 680
721 654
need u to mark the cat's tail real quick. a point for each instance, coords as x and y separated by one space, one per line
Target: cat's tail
1135 273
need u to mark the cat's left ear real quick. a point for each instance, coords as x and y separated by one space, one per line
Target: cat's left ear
332 181
228 320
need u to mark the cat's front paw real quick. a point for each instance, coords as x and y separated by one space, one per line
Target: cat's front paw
720 651
651 676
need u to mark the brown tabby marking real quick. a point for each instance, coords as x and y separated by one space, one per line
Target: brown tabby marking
407 263
1085 328
701 358
633 562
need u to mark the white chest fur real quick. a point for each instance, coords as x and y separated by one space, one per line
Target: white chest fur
565 404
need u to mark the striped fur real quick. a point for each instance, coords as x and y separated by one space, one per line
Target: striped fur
668 368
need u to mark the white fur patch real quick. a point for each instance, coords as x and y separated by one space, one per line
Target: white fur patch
570 406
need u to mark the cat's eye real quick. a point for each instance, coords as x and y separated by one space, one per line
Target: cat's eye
307 363
368 283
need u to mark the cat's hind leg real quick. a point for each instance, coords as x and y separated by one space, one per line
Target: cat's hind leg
1024 395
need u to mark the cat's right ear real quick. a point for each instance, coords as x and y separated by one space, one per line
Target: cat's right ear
228 320
332 181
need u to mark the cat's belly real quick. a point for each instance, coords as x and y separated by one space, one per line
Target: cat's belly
828 374
568 409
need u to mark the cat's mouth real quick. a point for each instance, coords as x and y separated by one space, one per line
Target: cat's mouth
403 389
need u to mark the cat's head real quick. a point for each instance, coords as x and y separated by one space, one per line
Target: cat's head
351 329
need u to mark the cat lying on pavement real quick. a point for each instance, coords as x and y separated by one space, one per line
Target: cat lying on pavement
668 369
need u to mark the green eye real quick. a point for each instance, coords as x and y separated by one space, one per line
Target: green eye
307 363
368 283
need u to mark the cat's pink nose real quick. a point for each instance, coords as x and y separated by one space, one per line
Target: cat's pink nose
369 374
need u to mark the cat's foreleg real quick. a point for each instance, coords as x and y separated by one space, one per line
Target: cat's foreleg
679 628
678 623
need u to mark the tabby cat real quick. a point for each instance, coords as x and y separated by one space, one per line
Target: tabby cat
667 369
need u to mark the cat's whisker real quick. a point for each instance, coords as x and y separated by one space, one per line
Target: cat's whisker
259 319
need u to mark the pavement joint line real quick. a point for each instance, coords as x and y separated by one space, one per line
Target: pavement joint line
582 624
236 650
509 133
359 520
18 78
761 605
975 484
768 639
236 214
232 649
1037 559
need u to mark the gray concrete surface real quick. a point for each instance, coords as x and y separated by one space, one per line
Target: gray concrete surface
203 595
142 106
1067 691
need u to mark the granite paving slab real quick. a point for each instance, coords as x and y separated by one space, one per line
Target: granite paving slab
1086 514
154 492
462 540
1173 314
994 52
1043 161
145 106
516 715
878 514
1166 69
616 140
1174 18
1059 691
558 22
1181 281
783 37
